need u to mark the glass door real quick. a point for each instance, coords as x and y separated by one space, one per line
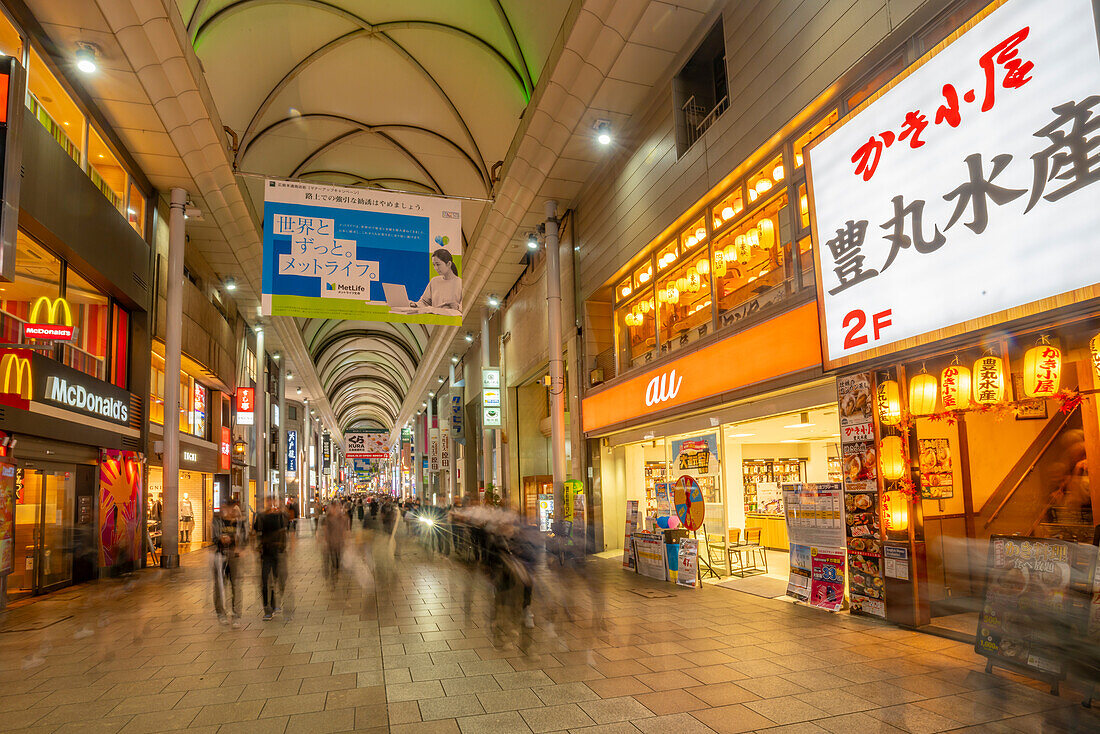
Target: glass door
44 506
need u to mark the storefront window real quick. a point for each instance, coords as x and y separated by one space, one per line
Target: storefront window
37 274
888 71
684 312
105 171
87 351
120 347
751 273
810 135
135 210
54 108
728 208
766 179
11 43
637 325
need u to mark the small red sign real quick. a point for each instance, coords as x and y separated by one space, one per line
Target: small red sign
224 458
48 331
245 399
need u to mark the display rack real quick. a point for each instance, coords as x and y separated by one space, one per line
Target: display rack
836 469
779 471
655 471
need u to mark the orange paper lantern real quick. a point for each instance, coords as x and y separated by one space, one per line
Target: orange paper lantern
891 459
989 381
955 381
1042 371
889 403
922 394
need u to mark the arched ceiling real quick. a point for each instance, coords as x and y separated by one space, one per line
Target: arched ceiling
418 95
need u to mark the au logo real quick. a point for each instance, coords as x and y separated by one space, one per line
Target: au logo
16 379
58 323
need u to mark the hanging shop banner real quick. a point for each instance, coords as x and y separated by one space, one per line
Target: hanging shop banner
367 444
365 255
433 450
326 453
444 448
690 507
224 457
696 456
652 556
570 492
13 89
458 417
245 405
120 503
1037 597
632 520
688 569
815 528
7 517
946 180
291 453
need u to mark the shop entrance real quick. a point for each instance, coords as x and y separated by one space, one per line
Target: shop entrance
46 507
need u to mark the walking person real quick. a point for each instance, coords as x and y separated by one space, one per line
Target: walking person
315 511
334 534
292 514
228 534
271 534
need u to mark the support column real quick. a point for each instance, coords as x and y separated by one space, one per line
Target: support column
486 433
262 446
282 433
557 360
430 484
306 443
452 478
173 336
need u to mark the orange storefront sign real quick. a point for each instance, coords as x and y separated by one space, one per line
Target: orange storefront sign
780 346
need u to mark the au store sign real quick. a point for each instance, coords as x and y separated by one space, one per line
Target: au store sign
783 345
357 254
967 190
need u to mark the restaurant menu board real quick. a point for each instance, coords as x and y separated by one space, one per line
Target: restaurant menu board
7 508
1038 598
631 526
688 574
862 516
649 548
815 527
935 469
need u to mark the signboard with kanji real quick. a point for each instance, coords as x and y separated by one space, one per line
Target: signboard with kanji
361 254
367 444
960 196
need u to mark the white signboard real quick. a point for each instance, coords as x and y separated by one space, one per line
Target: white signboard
433 449
490 377
367 444
444 448
491 397
490 417
966 189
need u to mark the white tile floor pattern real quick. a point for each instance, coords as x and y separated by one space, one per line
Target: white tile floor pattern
151 657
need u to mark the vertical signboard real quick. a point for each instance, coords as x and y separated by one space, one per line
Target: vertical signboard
444 449
7 517
245 405
12 92
815 526
291 453
372 255
326 453
458 418
223 450
433 450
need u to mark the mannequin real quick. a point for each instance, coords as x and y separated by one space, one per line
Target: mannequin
187 519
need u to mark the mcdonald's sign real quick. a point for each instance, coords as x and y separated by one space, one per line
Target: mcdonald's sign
16 378
58 322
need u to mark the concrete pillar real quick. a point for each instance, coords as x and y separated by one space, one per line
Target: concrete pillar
429 486
262 446
282 433
486 433
452 475
557 359
306 443
173 336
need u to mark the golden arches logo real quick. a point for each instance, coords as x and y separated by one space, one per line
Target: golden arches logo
20 367
53 308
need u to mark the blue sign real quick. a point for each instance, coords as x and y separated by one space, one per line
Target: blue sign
291 451
361 254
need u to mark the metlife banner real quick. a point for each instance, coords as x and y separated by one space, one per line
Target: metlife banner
965 191
361 254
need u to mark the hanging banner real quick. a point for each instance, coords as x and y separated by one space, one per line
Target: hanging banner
326 453
815 528
224 457
7 510
695 456
245 405
944 181
444 449
631 525
367 444
433 450
458 417
360 254
291 453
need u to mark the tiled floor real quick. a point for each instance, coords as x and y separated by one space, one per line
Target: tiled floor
152 657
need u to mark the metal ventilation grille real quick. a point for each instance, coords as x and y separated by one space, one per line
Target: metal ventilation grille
131 444
135 411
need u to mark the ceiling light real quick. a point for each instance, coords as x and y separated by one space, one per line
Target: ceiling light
741 435
275 356
532 241
231 284
803 421
423 405
603 132
85 59
494 301
431 394
454 359
469 338
299 390
290 375
792 440
259 329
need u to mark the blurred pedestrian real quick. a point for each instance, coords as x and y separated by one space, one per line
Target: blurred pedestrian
271 536
334 535
229 537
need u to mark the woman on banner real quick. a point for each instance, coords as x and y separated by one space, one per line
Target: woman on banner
444 291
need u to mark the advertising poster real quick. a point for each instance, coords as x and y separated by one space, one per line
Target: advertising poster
572 498
1038 595
7 517
688 573
664 501
120 498
936 481
696 456
652 558
367 444
546 512
631 526
366 255
827 584
972 149
798 582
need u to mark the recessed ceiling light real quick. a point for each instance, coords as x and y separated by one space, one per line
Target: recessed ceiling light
469 338
741 435
803 421
792 440
85 59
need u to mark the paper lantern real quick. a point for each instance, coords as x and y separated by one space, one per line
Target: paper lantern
694 282
727 213
1042 371
1094 350
703 266
672 295
989 381
922 394
766 228
629 319
753 195
681 284
798 160
626 291
763 185
753 237
691 242
645 306
720 263
955 384
730 253
717 222
891 459
701 234
644 277
897 511
777 173
889 403
804 204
